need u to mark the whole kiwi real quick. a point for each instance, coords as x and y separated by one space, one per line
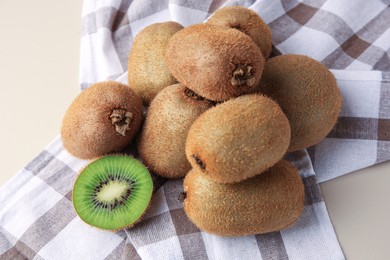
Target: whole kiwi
265 203
308 94
103 118
238 139
147 72
246 21
162 140
217 63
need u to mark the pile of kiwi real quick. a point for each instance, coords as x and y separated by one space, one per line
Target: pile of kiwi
220 113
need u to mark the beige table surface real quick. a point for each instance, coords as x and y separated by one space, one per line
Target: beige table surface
39 55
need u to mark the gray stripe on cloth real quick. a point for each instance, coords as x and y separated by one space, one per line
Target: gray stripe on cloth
314 3
384 103
122 41
296 16
359 45
124 250
289 25
68 196
271 246
39 162
382 151
376 27
45 228
289 4
151 230
383 147
122 35
372 55
121 233
386 77
172 190
383 63
312 190
130 252
158 181
104 17
59 181
196 5
312 153
215 4
7 240
118 252
289 28
20 251
140 9
355 128
181 222
43 167
334 26
338 59
193 247
122 19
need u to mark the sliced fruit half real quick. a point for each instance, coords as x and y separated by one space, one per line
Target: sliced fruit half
112 192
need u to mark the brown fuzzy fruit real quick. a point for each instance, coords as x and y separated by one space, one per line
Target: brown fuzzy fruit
162 140
265 203
238 139
246 21
307 92
217 63
104 118
148 73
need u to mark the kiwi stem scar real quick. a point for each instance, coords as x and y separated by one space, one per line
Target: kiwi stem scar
121 119
242 75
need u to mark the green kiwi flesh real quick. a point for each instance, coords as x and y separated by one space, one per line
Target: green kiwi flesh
238 139
112 192
162 140
147 72
104 118
265 203
217 63
308 94
246 21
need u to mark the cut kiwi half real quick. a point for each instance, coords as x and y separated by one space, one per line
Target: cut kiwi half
112 192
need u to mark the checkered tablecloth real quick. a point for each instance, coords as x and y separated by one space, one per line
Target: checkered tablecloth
37 220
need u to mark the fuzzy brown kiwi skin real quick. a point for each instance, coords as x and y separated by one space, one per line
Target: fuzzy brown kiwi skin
147 72
121 228
265 203
308 94
91 126
162 140
246 21
217 63
238 139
